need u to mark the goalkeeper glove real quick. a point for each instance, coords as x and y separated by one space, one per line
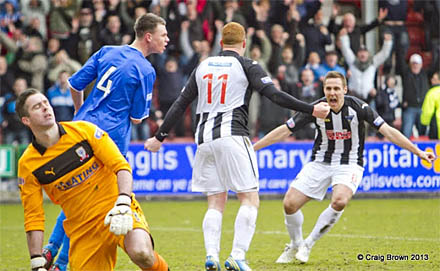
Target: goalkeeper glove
120 217
37 263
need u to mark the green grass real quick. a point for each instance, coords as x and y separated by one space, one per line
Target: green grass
377 227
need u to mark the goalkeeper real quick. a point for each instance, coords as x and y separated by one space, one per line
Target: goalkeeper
81 169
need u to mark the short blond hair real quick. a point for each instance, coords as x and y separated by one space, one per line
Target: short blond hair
233 33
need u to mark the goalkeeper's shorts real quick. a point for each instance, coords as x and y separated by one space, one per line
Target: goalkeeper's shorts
94 247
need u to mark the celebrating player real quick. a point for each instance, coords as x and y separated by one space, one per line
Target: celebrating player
224 159
337 161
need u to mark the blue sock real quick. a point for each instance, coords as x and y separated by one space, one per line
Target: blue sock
63 257
57 235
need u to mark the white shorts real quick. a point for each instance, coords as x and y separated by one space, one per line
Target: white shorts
227 163
315 178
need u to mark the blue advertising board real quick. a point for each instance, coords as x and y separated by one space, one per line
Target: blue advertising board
388 168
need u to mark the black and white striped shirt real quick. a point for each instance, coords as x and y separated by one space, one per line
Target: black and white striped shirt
223 86
340 137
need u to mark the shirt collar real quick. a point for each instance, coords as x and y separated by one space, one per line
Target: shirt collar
40 148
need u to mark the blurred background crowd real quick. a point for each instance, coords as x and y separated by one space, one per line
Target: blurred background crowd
388 49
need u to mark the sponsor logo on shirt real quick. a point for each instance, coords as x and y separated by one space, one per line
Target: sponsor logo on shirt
78 179
364 105
378 121
291 123
220 64
338 135
81 152
98 133
266 80
327 120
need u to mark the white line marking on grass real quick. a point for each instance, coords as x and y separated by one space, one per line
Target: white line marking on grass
335 235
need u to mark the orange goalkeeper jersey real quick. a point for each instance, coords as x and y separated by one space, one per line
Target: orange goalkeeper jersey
78 173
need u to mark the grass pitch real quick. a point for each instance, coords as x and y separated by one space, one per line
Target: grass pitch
371 228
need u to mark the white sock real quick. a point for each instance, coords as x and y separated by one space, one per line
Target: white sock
325 222
212 231
294 224
243 231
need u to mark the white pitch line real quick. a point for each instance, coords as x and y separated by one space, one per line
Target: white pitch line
335 235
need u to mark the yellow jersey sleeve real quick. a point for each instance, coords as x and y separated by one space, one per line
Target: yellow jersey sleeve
31 196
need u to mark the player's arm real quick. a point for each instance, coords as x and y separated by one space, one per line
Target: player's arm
276 135
402 141
188 94
35 245
77 98
261 82
283 99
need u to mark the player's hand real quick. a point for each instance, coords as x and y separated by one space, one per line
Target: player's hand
428 156
120 217
321 110
37 264
152 144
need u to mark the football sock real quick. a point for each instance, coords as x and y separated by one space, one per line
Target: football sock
325 222
57 235
212 230
243 231
294 224
159 265
63 257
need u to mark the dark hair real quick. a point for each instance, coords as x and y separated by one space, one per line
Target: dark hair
147 23
21 101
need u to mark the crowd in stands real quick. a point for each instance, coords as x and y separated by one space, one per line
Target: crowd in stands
43 42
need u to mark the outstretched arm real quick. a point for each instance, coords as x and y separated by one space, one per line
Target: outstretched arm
277 135
400 140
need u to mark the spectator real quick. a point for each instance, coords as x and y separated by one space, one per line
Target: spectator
14 132
330 64
354 31
170 83
60 18
394 23
415 85
278 38
62 62
34 13
431 16
431 107
291 64
112 34
31 62
308 91
84 36
387 101
9 14
260 54
314 64
316 34
60 98
232 13
363 67
7 77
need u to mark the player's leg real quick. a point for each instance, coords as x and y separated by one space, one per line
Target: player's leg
206 179
56 238
293 219
212 228
139 248
345 180
244 229
138 243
